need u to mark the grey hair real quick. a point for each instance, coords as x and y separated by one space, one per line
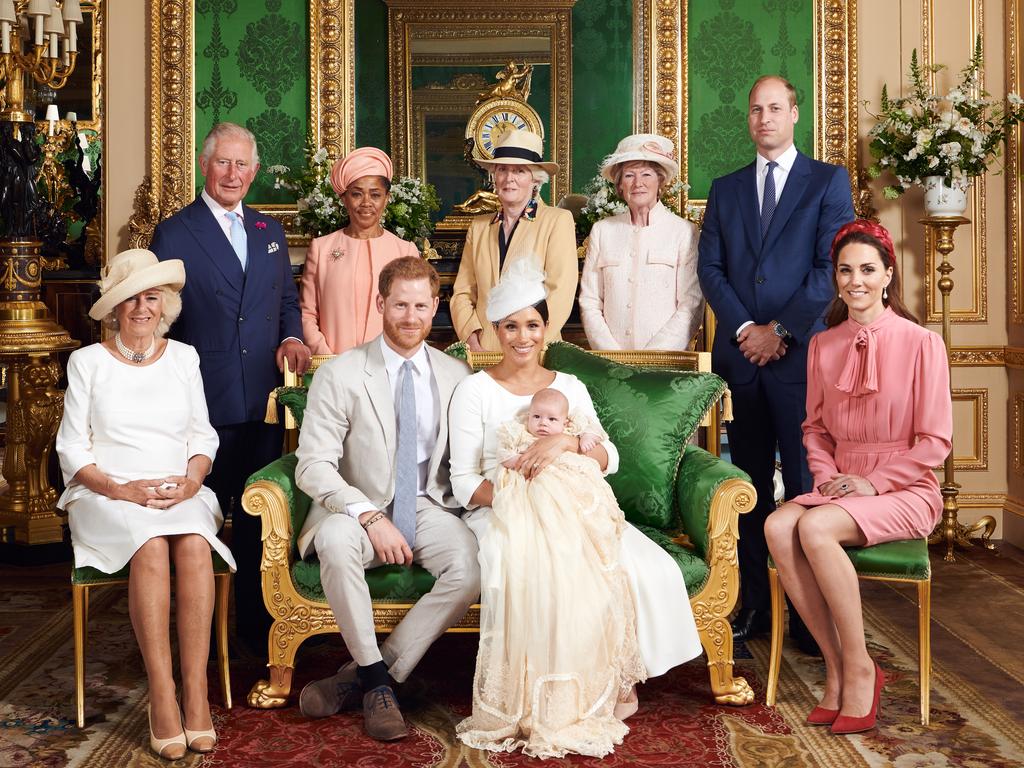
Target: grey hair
540 177
658 169
171 310
223 131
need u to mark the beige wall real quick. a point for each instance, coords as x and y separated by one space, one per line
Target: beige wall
988 440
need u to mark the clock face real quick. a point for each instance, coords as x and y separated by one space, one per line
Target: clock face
496 125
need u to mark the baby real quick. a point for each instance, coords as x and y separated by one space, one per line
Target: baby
549 415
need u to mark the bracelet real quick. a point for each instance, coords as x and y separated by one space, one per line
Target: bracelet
372 520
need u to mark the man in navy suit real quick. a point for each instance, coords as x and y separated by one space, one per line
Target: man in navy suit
240 310
765 270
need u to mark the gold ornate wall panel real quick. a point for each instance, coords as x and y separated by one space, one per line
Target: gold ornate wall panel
415 20
1015 164
1017 433
171 182
976 441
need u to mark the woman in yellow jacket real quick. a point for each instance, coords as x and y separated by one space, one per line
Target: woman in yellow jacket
523 228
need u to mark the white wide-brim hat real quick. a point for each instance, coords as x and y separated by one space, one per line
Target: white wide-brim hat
519 147
649 147
132 272
520 287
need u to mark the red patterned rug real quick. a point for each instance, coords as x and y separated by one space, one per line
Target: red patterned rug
677 724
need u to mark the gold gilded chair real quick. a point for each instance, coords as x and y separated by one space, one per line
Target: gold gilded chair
898 561
84 579
706 493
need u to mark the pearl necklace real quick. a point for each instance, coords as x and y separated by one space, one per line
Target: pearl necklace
130 354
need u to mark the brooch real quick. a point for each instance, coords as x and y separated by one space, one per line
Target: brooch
273 247
336 254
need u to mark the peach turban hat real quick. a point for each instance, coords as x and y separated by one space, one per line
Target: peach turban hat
365 161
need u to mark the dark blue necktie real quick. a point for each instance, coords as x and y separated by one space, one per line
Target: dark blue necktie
768 200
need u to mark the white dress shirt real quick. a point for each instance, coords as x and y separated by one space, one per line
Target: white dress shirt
785 165
428 416
220 213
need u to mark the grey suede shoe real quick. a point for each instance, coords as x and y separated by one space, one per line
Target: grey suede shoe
382 719
337 693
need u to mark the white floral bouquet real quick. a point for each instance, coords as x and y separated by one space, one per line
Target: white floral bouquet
603 200
321 210
956 136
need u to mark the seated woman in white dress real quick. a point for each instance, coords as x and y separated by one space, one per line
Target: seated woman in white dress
135 445
504 716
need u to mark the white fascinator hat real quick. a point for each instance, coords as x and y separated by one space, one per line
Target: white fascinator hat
520 287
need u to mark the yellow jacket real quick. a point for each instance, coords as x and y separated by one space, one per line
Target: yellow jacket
550 239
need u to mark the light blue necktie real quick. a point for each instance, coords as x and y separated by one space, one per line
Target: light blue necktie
768 200
403 510
239 240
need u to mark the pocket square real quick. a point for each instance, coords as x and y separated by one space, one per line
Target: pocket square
273 247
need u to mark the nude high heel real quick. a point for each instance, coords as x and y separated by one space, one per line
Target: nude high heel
191 737
161 746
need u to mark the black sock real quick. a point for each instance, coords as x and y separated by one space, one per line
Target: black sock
374 676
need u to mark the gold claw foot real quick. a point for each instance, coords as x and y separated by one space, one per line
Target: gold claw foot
740 694
273 693
989 524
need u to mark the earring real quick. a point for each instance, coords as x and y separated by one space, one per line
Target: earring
885 293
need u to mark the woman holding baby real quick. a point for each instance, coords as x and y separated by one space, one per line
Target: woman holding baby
569 618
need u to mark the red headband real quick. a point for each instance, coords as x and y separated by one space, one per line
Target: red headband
866 227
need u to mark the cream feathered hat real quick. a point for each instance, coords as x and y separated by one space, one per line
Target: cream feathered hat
131 272
520 287
649 147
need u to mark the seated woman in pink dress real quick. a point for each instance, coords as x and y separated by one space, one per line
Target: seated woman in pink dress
879 417
339 281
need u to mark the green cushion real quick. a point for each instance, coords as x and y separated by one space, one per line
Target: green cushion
388 583
906 559
695 570
649 414
458 350
700 474
294 399
92 576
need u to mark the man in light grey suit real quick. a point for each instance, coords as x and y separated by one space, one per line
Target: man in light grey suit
373 456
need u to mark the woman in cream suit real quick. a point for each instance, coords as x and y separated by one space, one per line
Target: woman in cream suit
339 281
523 228
639 288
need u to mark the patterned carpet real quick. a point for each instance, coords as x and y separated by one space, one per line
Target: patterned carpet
977 693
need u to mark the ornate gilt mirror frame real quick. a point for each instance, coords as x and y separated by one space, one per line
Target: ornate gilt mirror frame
660 92
170 184
455 19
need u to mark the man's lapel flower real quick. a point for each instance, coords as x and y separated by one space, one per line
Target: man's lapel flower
260 225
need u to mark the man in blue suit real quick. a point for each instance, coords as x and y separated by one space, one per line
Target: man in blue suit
765 270
240 310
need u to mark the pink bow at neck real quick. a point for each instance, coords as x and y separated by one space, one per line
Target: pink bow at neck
860 374
652 146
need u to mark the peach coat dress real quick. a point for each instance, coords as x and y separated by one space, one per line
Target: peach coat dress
878 405
339 289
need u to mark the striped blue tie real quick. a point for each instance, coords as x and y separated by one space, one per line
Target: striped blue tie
239 240
403 510
768 200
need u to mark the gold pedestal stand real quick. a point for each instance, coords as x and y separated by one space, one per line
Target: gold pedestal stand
949 530
29 341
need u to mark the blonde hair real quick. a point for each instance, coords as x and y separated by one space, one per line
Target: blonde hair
618 168
170 311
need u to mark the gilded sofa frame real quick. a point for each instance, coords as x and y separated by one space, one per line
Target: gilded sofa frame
296 618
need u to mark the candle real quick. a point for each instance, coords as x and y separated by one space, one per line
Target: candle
39 30
52 116
72 37
5 36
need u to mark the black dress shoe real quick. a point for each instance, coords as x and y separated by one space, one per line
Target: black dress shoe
801 636
750 623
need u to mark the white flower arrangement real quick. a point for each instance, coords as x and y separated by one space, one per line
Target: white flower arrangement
956 136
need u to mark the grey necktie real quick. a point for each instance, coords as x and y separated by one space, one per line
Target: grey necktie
768 200
403 510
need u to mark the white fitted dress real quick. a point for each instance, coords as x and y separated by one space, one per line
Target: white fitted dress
134 423
666 632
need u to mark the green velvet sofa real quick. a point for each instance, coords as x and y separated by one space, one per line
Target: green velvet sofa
685 498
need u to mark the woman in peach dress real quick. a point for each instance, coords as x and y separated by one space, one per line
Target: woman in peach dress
879 417
339 281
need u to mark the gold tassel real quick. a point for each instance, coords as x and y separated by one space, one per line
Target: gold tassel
727 406
271 417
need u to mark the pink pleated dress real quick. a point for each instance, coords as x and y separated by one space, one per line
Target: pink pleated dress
878 405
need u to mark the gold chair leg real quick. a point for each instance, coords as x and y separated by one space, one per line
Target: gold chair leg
80 607
223 593
778 595
924 633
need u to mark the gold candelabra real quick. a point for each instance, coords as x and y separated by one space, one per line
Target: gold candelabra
38 39
949 530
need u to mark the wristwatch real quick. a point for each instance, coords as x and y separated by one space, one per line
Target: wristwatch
779 330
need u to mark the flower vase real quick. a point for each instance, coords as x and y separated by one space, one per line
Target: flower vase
942 200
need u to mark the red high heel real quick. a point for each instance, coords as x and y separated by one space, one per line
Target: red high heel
822 716
844 724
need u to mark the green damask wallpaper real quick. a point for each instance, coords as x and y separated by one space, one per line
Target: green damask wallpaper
730 43
372 127
252 68
602 89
